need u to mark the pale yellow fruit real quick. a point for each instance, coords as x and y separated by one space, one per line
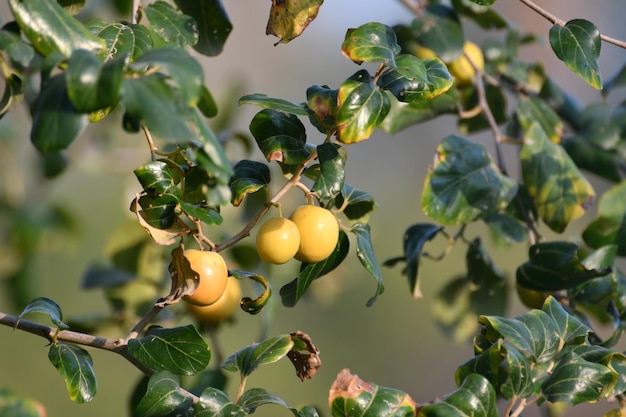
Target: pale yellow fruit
461 68
223 309
319 233
277 240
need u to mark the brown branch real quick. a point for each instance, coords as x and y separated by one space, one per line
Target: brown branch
556 21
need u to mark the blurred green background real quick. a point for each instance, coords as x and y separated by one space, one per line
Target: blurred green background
396 342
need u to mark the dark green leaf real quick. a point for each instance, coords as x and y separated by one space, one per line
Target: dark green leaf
248 177
554 266
535 110
51 29
200 212
292 292
249 305
483 2
563 102
143 40
18 50
464 184
358 203
212 22
578 45
277 104
402 115
371 42
474 398
91 85
170 25
434 81
570 327
163 397
151 100
575 380
610 225
216 403
351 396
332 172
48 307
439 29
156 177
211 155
56 122
588 157
362 107
365 253
180 350
256 397
120 40
415 237
246 360
207 104
507 228
76 367
616 81
519 382
159 212
322 103
487 363
480 268
560 192
280 136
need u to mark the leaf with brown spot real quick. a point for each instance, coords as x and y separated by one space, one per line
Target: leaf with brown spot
289 18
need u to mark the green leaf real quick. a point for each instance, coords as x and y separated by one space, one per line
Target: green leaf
474 398
249 305
160 211
421 82
519 382
18 50
292 292
371 42
402 115
163 397
277 104
288 20
332 172
211 155
535 110
56 122
207 104
14 405
506 227
184 70
213 24
578 45
588 157
76 367
201 212
440 30
170 25
143 40
415 237
322 104
487 363
570 327
120 40
280 136
248 177
575 380
151 100
483 2
365 253
560 192
180 350
246 360
359 204
362 107
256 397
45 306
91 85
214 402
351 396
51 29
554 266
464 184
610 225
156 177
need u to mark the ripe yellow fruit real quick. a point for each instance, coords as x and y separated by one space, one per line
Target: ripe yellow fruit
277 240
531 298
423 52
222 309
461 68
212 274
319 233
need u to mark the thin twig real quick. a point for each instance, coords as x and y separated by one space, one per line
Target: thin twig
556 21
134 11
153 148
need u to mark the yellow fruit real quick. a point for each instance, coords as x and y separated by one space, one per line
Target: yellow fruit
531 298
277 240
212 274
423 52
461 68
319 233
222 309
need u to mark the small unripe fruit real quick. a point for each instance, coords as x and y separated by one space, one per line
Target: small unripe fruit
212 276
277 240
319 233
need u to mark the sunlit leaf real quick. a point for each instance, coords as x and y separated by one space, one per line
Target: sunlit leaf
48 307
359 204
474 398
435 81
535 110
371 42
322 103
170 25
76 367
280 136
362 107
279 104
246 360
214 402
163 396
248 177
120 39
578 45
332 173
464 183
560 192
610 225
256 397
289 18
180 350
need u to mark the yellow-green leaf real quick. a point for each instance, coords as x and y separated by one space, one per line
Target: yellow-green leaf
289 18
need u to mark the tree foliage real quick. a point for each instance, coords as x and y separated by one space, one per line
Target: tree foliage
72 73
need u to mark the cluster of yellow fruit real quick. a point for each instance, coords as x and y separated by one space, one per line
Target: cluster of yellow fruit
461 69
309 235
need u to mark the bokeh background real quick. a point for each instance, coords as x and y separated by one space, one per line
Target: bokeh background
396 342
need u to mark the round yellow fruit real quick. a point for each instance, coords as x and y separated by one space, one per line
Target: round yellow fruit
278 240
423 52
461 68
319 233
531 298
212 276
223 309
